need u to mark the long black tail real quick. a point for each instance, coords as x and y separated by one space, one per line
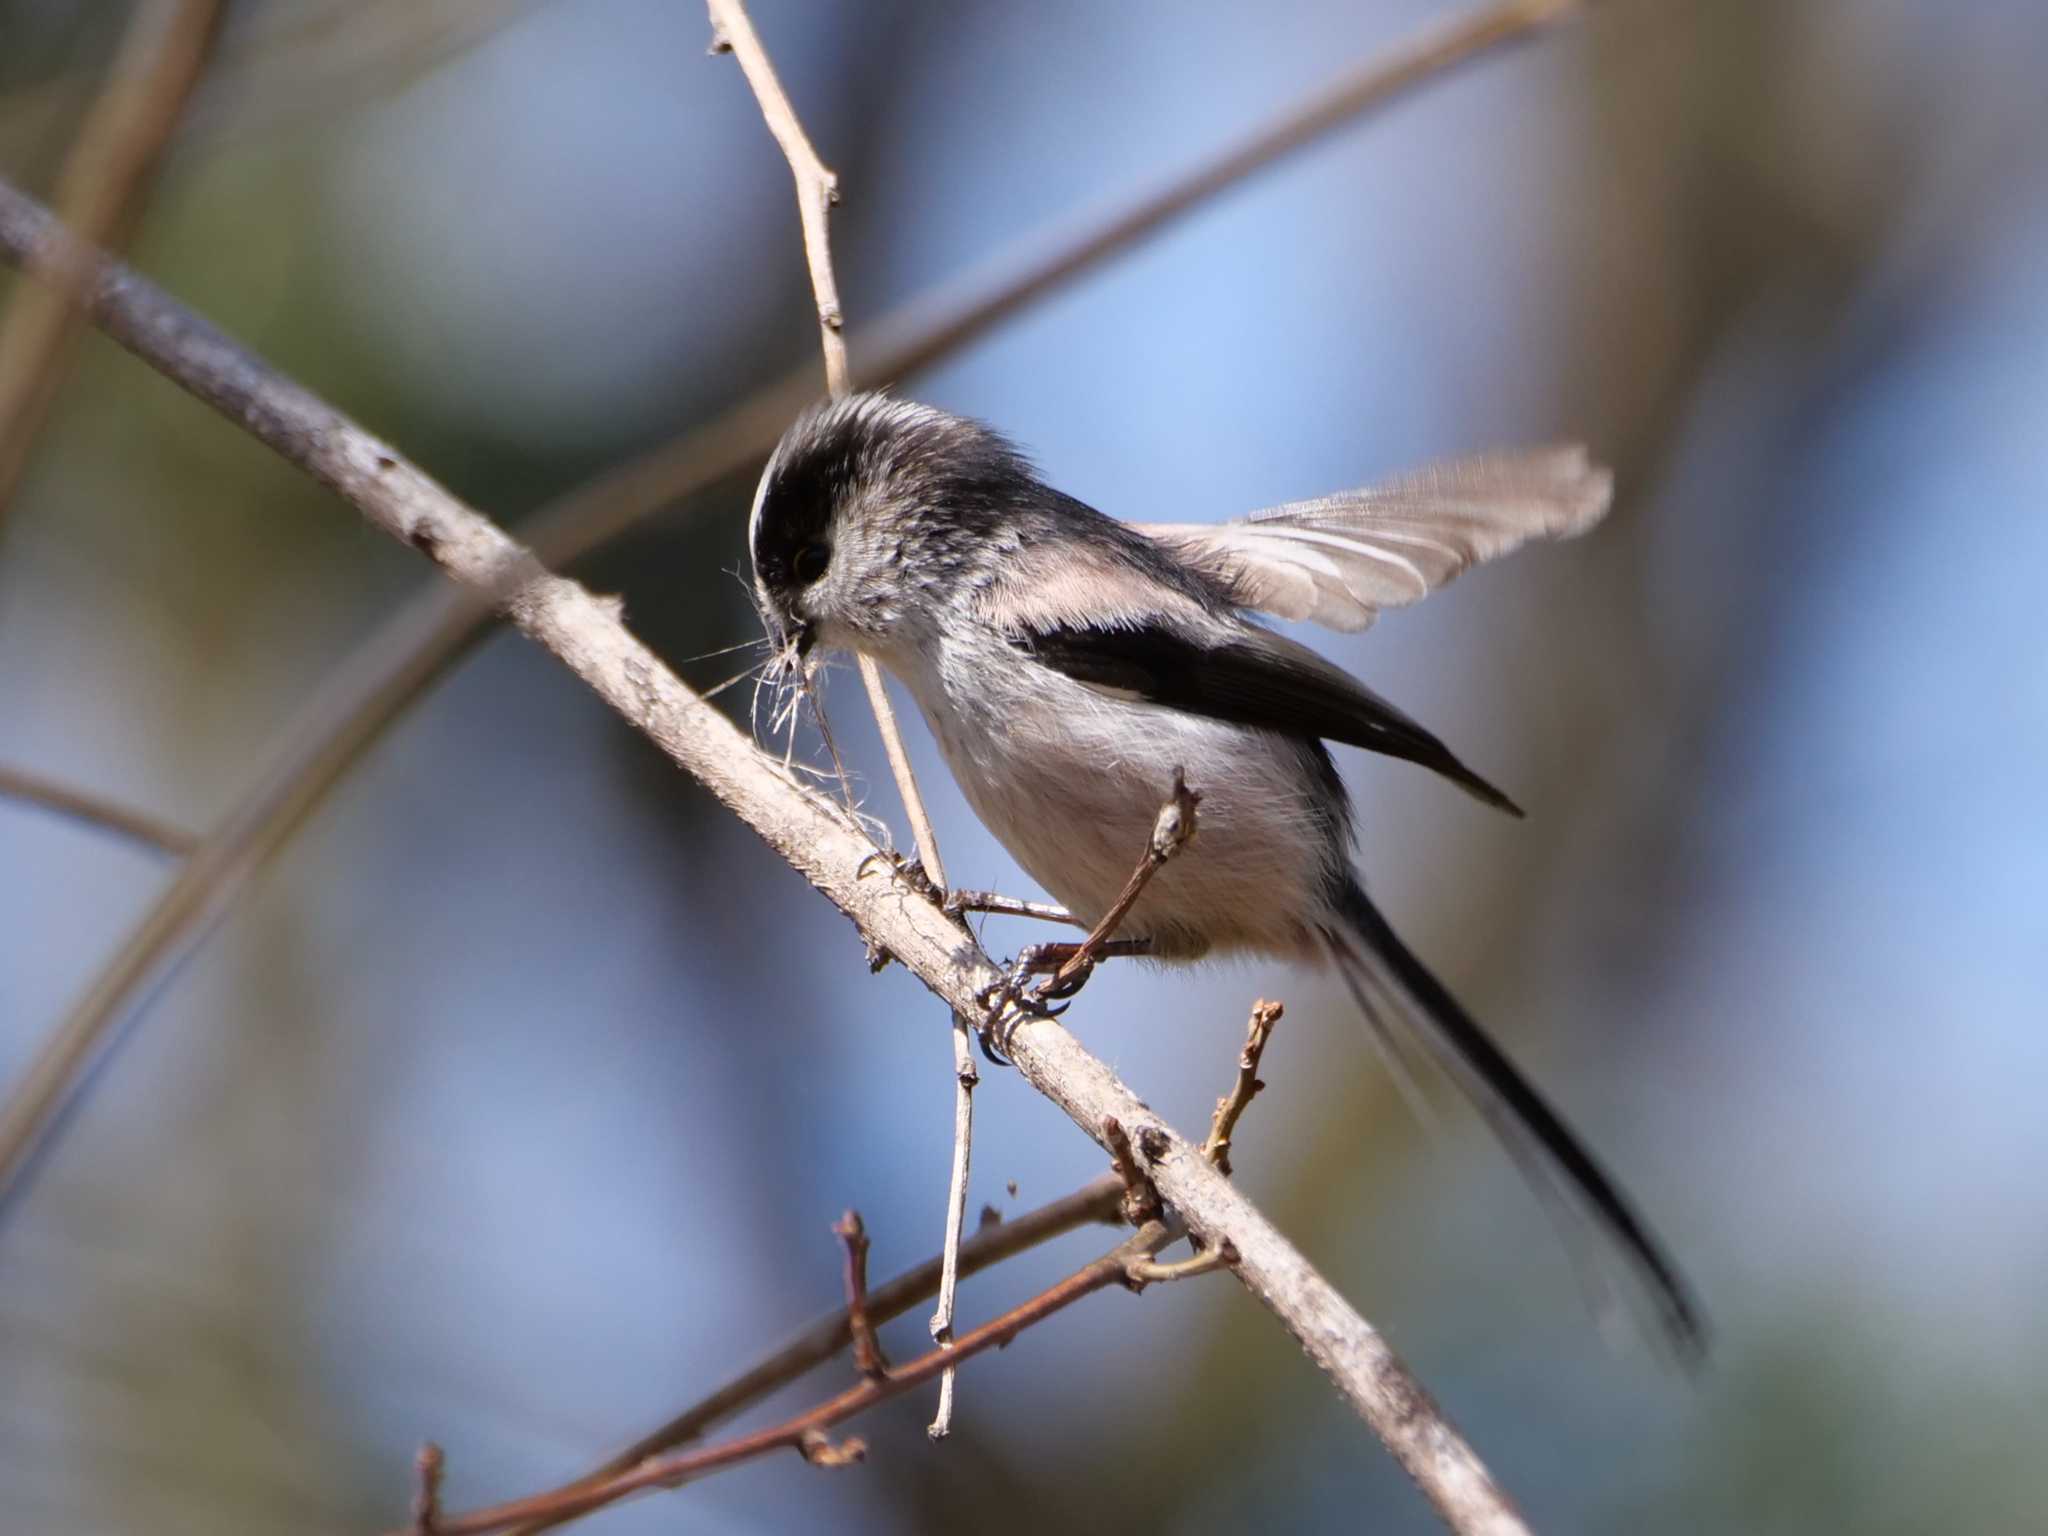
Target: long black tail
1372 959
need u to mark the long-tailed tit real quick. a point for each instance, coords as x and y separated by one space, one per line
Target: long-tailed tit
1068 663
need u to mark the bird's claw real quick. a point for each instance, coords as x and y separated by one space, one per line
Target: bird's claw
1008 1003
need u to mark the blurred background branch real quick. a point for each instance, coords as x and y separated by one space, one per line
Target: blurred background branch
99 197
138 826
281 65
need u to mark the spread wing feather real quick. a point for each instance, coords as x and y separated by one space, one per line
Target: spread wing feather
1340 559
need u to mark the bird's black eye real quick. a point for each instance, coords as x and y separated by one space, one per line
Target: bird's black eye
809 563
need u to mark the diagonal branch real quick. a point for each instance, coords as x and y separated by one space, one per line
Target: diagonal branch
817 189
426 637
98 193
138 826
816 838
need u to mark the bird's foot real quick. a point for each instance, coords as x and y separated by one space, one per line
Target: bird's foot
1009 1002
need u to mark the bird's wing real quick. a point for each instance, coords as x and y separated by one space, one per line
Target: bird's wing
1246 675
1341 559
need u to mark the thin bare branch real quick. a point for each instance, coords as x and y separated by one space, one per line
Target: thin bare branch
1144 1272
1096 1201
427 636
138 826
99 191
805 1432
965 1077
921 832
817 189
814 836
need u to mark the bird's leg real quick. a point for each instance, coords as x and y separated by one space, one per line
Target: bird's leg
997 905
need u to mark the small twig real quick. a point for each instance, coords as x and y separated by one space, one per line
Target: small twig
964 1079
921 832
1141 1197
137 826
1099 1200
1143 1272
428 1466
821 1450
1216 1147
99 191
1172 831
817 189
1232 1105
867 1349
801 1432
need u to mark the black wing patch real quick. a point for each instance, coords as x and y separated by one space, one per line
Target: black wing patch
1253 678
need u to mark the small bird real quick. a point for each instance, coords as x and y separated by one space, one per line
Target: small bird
1069 665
